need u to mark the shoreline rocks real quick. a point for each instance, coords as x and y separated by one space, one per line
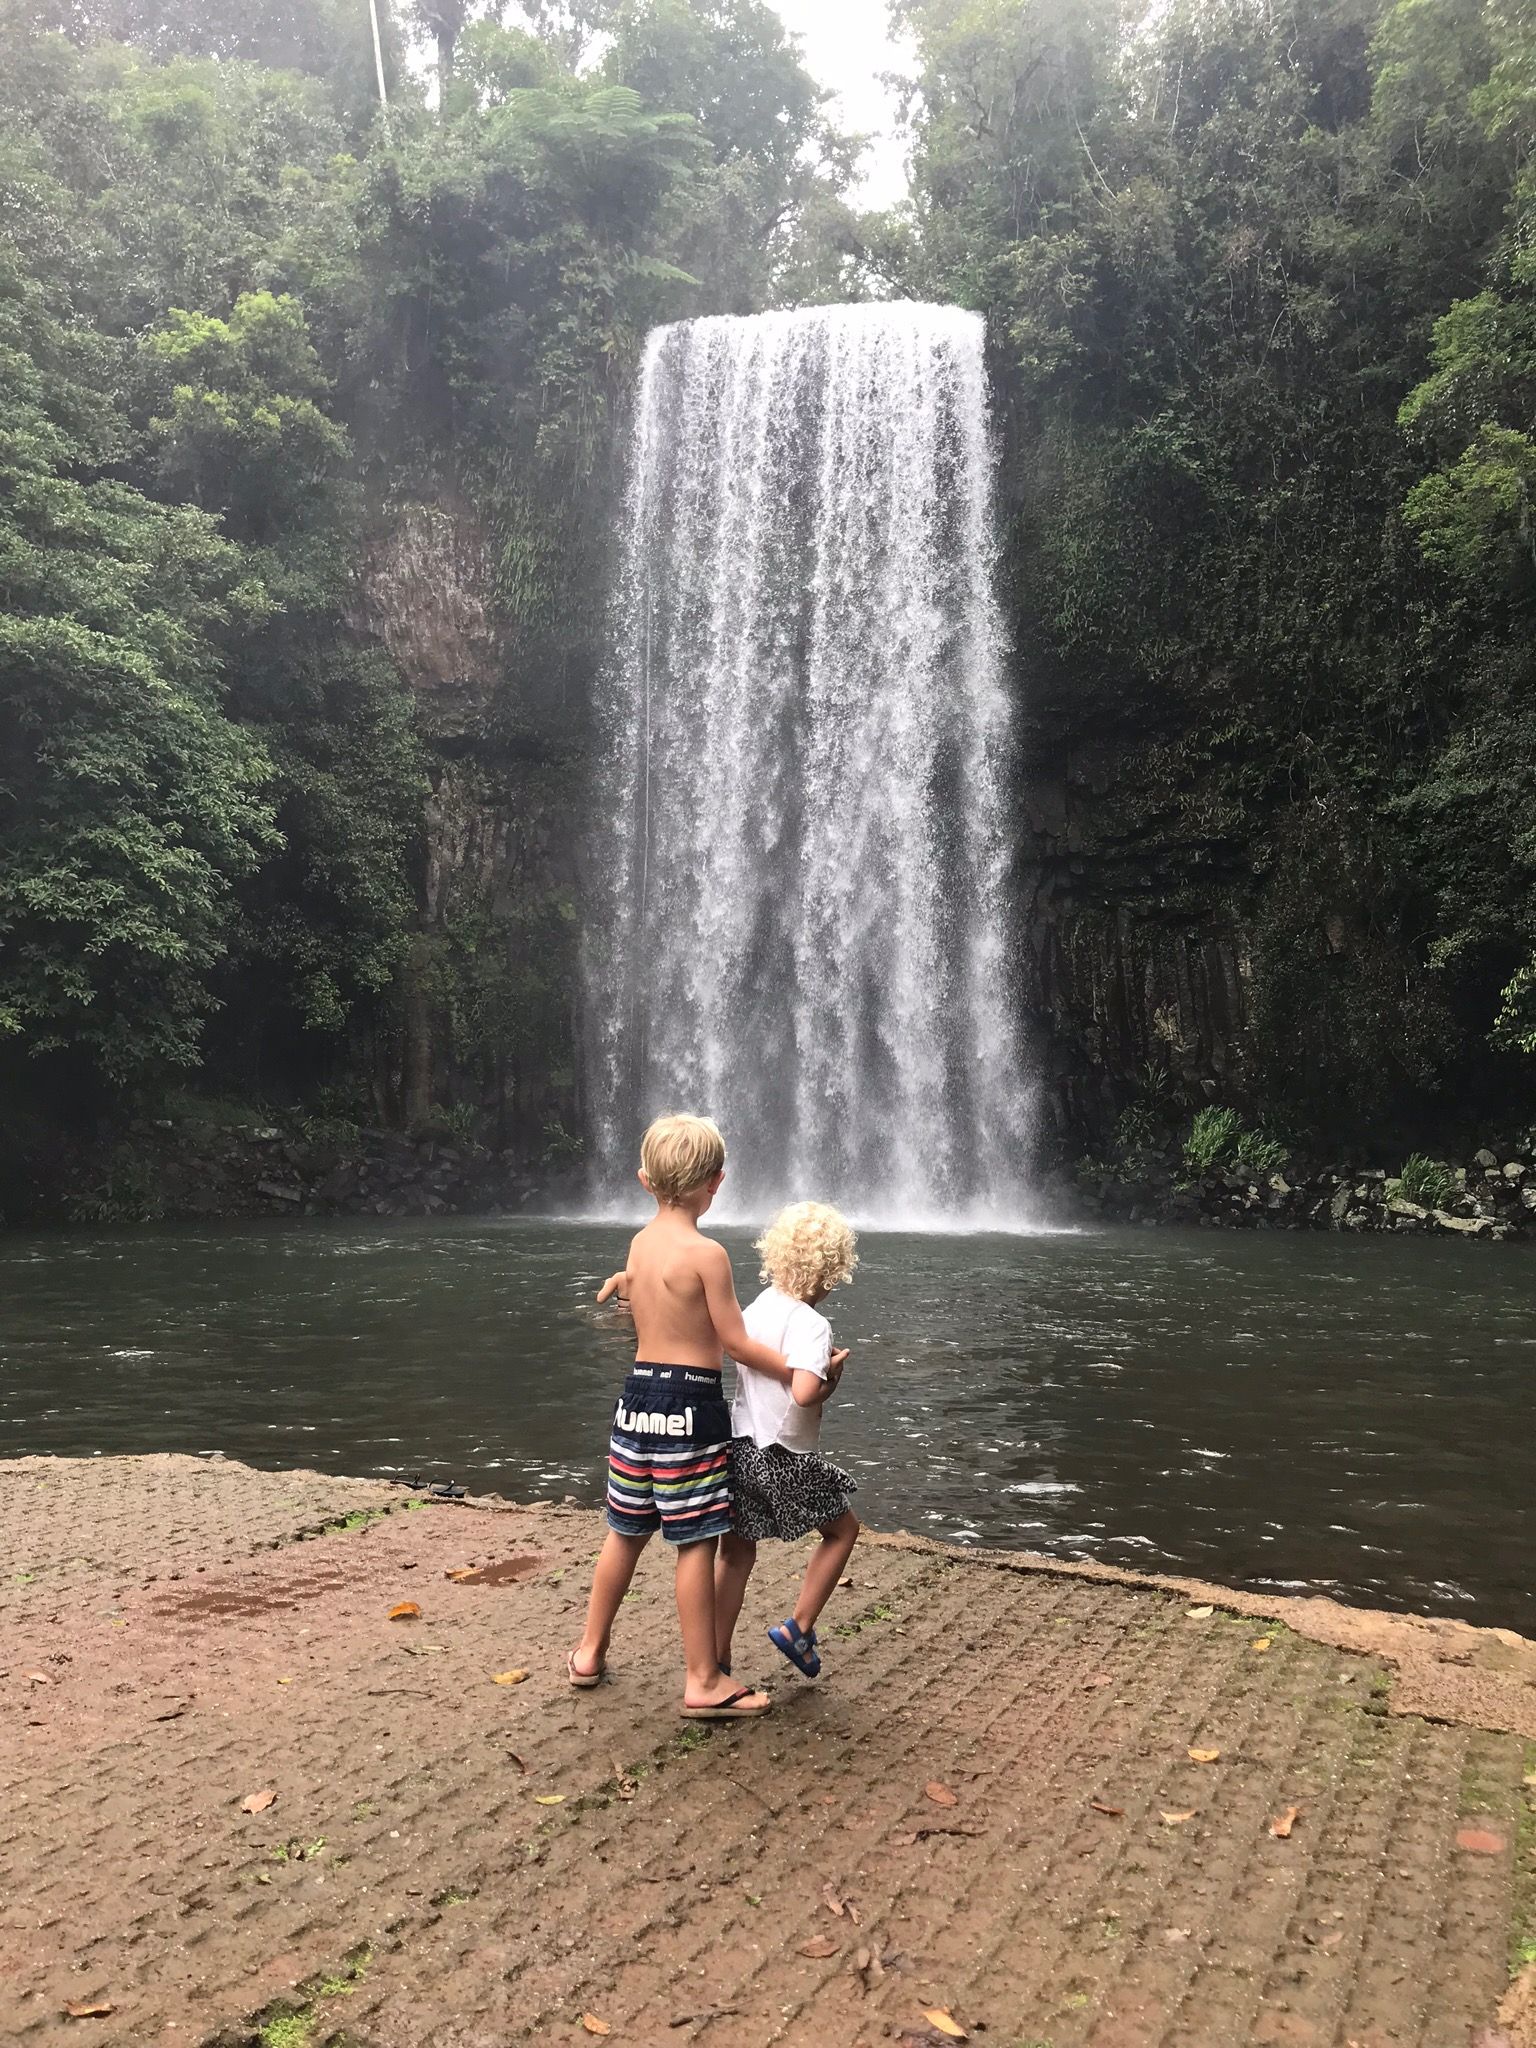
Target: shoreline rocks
1492 1198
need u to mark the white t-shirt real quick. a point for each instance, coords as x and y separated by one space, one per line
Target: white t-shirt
763 1409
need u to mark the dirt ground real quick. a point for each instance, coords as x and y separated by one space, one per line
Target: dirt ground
987 1816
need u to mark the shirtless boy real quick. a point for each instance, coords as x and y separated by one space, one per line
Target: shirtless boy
668 1459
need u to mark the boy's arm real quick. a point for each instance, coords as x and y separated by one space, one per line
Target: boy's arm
725 1314
616 1283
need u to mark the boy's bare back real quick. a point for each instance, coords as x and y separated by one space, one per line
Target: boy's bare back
677 1282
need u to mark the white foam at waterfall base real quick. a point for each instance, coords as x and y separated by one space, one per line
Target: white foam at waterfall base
798 919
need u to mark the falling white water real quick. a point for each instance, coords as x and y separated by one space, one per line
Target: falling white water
800 925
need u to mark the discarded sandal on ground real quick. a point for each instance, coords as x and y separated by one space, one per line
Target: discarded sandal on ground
583 1680
728 1709
799 1649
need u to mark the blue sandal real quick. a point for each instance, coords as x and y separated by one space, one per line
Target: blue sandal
799 1649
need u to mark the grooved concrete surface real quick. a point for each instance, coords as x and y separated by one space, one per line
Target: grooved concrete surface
453 1862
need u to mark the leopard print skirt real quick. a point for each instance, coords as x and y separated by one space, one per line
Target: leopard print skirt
782 1493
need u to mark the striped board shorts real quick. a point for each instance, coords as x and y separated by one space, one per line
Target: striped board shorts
669 1456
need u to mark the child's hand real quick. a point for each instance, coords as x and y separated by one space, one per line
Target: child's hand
835 1366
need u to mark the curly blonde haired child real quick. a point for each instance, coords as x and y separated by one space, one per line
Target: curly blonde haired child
781 1486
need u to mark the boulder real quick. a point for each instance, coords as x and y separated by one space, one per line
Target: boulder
1484 1159
1468 1226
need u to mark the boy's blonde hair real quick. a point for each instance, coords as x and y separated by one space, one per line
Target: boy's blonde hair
807 1249
679 1153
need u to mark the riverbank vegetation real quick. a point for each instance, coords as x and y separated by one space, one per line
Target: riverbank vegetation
309 451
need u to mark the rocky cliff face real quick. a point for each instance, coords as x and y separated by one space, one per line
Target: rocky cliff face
484 1007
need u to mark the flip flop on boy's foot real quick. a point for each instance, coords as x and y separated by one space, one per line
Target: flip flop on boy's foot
583 1680
734 1707
799 1649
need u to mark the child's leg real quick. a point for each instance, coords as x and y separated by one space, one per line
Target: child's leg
826 1568
616 1563
733 1568
706 1682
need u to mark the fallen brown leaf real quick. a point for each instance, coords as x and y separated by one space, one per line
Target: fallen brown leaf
549 1799
406 1611
88 2008
1175 1934
832 1902
1114 1812
463 1571
594 2025
508 1677
624 1785
1177 1820
1280 1827
940 1794
257 1802
39 1678
1480 1842
1200 1613
946 2023
819 1946
1098 1678
514 1758
1204 1756
172 1713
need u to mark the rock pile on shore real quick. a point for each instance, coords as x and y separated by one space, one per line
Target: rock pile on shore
1493 1196
184 1173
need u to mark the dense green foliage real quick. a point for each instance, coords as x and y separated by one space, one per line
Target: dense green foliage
261 808
1259 281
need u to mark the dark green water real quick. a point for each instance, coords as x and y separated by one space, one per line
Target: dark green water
1271 1410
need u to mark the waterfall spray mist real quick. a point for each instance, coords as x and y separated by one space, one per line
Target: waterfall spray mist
799 920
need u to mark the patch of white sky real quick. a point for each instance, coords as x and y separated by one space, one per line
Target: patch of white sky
847 46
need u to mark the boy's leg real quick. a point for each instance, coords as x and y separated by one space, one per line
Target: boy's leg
733 1568
706 1683
616 1563
826 1568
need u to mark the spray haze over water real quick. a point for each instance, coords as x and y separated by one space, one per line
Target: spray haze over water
801 860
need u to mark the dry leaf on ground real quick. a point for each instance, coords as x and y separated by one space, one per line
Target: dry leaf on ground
1280 1827
88 2009
1200 1613
406 1611
1114 1812
514 1758
549 1799
1098 1678
819 1946
1177 1820
940 1794
463 1571
832 1902
946 2023
1204 1756
508 1677
257 1802
594 2025
38 1678
1262 1643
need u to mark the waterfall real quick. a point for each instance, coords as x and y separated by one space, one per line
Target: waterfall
799 868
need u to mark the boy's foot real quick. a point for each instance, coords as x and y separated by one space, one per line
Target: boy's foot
741 1705
799 1648
583 1680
